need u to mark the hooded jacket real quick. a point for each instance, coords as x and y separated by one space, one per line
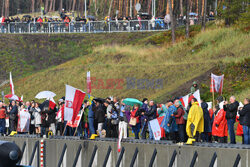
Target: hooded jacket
231 110
245 115
220 123
195 117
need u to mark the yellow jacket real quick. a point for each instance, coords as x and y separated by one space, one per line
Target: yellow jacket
195 116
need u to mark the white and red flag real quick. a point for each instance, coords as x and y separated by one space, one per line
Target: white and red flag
184 101
196 95
88 83
11 85
73 102
216 83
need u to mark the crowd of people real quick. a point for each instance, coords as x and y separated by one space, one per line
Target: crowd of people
108 117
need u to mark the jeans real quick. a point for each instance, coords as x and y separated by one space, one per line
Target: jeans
2 126
151 136
136 130
230 124
91 126
246 133
123 126
181 132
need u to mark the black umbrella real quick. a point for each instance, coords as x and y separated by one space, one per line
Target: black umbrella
29 16
100 100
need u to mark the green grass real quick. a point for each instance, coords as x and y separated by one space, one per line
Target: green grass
216 48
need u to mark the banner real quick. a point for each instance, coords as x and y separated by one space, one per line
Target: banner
23 121
88 83
154 124
216 83
73 102
184 101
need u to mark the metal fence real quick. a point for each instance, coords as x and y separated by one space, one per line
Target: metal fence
89 27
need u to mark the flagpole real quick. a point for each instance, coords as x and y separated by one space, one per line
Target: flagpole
64 129
212 90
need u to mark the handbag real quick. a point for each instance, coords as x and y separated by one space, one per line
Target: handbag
132 121
114 122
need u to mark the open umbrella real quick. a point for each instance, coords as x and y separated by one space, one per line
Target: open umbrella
132 102
193 14
11 97
100 100
45 95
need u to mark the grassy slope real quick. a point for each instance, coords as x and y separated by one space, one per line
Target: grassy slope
215 50
24 54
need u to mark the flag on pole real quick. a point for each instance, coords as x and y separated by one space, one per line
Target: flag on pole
60 113
73 102
216 83
88 83
184 101
195 95
11 85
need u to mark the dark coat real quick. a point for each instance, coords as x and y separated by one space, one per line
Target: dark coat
207 120
245 115
151 113
231 110
99 114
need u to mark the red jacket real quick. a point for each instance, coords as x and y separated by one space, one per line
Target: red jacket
220 120
179 116
133 115
2 113
239 131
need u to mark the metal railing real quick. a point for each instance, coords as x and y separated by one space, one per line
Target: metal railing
88 27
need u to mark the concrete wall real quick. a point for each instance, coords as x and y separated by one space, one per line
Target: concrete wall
53 149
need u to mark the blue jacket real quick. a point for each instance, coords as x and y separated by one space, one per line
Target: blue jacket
168 119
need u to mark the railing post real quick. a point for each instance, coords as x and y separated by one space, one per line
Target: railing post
213 160
49 27
109 27
129 26
29 28
9 28
33 154
89 25
237 161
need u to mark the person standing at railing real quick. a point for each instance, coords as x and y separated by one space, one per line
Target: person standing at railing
125 24
66 21
152 21
40 22
2 21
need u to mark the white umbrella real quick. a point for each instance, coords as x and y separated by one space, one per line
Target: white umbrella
45 95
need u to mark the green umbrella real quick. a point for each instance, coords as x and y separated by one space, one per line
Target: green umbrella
132 101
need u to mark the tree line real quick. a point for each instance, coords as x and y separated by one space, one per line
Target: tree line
102 8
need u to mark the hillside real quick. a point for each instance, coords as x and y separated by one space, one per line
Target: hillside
145 56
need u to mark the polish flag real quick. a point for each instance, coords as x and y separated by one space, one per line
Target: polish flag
216 83
11 85
73 102
184 101
52 104
158 131
88 83
195 95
